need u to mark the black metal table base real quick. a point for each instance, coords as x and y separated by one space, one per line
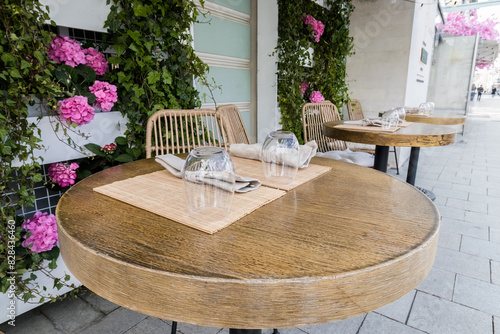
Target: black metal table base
245 331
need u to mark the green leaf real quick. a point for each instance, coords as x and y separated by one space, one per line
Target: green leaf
96 149
140 10
39 56
153 77
86 73
119 48
121 141
8 59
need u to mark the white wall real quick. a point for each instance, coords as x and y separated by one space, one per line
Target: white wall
377 72
267 87
418 78
81 14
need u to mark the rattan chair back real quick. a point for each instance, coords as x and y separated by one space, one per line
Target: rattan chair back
313 117
236 131
355 110
179 131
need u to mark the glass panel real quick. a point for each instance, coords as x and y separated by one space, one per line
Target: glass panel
239 5
235 85
246 119
222 37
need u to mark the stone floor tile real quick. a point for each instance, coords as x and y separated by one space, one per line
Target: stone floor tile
494 210
449 240
470 189
349 326
495 273
282 331
98 302
490 200
495 234
117 322
477 294
439 283
482 248
150 325
399 309
463 195
449 212
438 316
467 205
464 228
494 191
462 263
183 328
71 315
378 324
482 219
496 324
33 322
455 180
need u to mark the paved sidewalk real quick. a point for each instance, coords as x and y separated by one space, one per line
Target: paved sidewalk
461 295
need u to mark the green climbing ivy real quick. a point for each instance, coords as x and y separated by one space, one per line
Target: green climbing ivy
324 70
155 64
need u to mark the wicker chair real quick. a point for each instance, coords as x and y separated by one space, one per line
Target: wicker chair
355 112
179 131
232 121
313 117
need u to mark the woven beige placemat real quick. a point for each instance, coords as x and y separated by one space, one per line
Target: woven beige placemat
253 168
163 194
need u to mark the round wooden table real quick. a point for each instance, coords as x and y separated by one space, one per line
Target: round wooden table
437 119
343 244
416 135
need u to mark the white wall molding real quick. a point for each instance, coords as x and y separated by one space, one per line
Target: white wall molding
224 12
224 61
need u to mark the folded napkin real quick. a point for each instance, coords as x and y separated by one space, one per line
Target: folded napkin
174 165
252 151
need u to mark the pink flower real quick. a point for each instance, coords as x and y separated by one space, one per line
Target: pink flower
303 87
105 94
96 60
316 97
75 110
62 174
42 232
317 27
109 149
66 50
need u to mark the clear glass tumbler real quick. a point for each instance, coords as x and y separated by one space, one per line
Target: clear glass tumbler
208 177
280 156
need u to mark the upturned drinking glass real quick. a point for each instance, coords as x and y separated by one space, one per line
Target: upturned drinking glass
208 177
280 156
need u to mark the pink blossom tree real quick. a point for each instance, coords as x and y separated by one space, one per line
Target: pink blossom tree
468 24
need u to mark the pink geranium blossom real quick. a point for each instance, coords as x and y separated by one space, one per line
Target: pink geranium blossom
316 97
109 149
66 50
458 23
75 110
317 27
42 232
303 87
105 94
96 60
63 174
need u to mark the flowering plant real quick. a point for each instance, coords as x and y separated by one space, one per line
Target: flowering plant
77 73
313 96
468 24
317 27
62 174
41 233
316 97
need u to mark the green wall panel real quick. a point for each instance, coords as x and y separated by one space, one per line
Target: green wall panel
222 37
239 5
235 85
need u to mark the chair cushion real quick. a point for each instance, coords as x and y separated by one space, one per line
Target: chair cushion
358 158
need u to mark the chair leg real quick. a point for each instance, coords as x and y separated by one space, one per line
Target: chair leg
396 158
174 327
275 331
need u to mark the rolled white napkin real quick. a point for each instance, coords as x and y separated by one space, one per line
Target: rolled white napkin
252 151
174 165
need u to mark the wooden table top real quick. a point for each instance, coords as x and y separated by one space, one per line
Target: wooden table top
438 119
414 135
343 244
